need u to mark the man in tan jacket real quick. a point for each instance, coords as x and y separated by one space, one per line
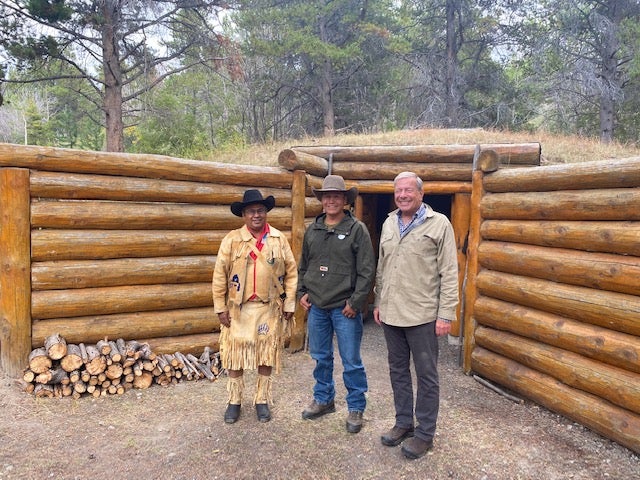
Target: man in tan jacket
416 298
254 294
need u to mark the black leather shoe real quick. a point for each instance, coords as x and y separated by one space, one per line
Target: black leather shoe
262 410
232 413
395 436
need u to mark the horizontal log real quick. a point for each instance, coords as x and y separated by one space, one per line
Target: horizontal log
620 173
296 160
49 245
140 216
129 326
608 237
616 311
108 187
57 275
381 171
312 207
613 384
598 205
510 154
599 415
105 300
430 188
617 273
618 349
194 344
139 165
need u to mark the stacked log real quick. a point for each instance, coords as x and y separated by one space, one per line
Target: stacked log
59 369
555 301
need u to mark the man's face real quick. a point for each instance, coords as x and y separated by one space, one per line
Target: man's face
333 202
255 217
407 196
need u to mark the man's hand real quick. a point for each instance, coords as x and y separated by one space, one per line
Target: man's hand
304 302
443 327
376 315
224 319
348 311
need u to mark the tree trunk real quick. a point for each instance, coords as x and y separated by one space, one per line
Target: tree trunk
451 93
326 91
112 79
609 70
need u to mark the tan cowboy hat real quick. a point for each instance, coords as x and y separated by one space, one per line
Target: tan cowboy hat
250 197
335 183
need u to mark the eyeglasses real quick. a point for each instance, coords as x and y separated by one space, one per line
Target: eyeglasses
255 211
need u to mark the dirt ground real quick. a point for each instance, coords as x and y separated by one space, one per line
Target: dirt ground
177 432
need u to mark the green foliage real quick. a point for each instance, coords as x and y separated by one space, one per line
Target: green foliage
191 114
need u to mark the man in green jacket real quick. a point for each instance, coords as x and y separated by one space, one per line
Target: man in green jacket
335 275
416 298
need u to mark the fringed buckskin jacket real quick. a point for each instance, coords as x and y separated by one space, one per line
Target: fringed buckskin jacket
230 274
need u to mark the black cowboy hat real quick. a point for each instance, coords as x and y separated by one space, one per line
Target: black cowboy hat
251 197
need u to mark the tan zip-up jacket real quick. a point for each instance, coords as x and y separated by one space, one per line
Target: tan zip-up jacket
417 276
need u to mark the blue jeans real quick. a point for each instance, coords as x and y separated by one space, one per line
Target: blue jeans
322 324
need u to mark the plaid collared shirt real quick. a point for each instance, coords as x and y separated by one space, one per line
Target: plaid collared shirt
418 218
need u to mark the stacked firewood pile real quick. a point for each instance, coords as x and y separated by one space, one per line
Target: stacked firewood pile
110 367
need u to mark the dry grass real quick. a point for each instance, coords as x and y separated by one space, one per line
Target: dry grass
555 148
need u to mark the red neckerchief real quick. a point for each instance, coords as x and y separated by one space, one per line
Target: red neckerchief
260 240
259 244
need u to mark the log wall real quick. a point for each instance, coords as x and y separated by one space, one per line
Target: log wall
99 245
553 310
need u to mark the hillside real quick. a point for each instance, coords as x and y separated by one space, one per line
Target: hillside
555 148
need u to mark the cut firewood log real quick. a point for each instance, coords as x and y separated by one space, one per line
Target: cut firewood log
52 377
146 352
83 352
55 346
143 381
73 359
114 371
96 362
148 365
103 346
163 363
28 375
29 387
122 346
115 354
43 391
67 390
127 362
202 368
191 371
39 361
132 349
80 387
173 361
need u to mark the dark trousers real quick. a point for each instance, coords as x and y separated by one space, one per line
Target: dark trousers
421 343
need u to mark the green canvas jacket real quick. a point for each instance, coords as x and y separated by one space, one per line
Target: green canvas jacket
337 263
